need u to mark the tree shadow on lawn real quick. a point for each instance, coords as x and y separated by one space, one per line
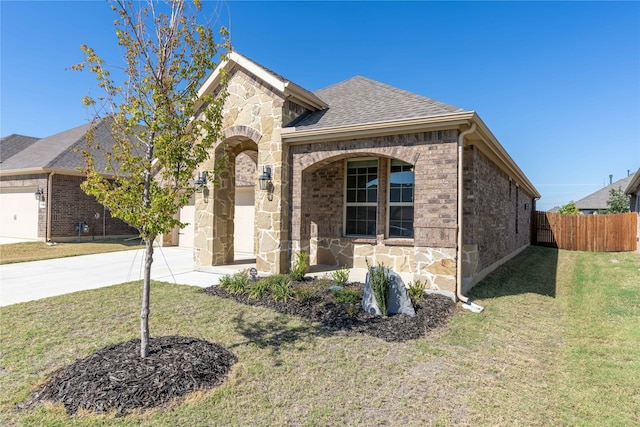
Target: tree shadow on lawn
534 271
274 333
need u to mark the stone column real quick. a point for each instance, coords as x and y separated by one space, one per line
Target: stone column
213 233
272 234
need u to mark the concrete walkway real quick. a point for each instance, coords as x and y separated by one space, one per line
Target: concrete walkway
28 281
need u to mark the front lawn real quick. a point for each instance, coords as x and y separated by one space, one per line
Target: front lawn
36 251
556 345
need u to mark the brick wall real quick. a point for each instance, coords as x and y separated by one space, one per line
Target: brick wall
291 111
434 156
70 205
322 201
496 221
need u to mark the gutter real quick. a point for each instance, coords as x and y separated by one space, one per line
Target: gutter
49 215
466 302
418 124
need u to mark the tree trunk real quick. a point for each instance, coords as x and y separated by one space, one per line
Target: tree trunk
146 289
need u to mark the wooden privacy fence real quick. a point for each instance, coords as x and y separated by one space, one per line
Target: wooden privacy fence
593 233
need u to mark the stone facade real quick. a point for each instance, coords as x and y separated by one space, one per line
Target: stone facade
253 116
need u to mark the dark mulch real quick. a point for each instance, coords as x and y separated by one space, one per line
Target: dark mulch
116 378
432 311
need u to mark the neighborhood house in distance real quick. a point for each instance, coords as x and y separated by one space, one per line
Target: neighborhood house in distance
596 202
40 194
357 172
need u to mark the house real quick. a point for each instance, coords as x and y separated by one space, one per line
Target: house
359 172
597 202
633 190
40 194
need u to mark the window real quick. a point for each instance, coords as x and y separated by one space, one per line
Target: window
401 182
361 198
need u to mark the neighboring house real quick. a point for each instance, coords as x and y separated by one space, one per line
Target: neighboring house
359 172
597 202
633 190
40 194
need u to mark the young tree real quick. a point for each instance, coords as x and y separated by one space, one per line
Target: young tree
618 201
162 128
569 208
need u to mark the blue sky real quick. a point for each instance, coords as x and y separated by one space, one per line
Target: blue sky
558 83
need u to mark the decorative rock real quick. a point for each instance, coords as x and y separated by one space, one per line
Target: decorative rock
398 300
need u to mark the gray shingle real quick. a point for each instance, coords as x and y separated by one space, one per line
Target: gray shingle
62 151
13 144
44 151
598 200
360 100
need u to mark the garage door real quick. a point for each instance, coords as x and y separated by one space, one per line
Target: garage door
18 215
243 220
185 235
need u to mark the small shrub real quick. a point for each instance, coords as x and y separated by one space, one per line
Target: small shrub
299 268
281 289
323 282
379 280
353 309
415 291
348 296
278 286
260 289
341 275
305 292
225 282
239 283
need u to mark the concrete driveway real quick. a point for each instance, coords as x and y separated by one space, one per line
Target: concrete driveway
29 281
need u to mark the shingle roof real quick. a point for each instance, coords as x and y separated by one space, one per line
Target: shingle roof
13 144
62 151
634 183
598 200
360 100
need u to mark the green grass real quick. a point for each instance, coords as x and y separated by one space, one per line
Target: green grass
35 251
557 344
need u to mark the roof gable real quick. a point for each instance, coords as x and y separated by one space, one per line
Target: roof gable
360 100
634 184
290 90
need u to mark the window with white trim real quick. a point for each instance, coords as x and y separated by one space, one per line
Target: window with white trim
361 197
400 203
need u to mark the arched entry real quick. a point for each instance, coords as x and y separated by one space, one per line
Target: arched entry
225 210
244 216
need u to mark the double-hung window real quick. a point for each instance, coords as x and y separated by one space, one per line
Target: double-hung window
401 183
361 198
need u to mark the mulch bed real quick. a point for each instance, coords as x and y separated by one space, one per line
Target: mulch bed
116 378
432 311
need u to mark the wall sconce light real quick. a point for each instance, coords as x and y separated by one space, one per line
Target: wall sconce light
526 206
38 194
200 182
264 181
265 178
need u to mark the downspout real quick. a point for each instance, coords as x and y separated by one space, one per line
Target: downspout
49 194
466 302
